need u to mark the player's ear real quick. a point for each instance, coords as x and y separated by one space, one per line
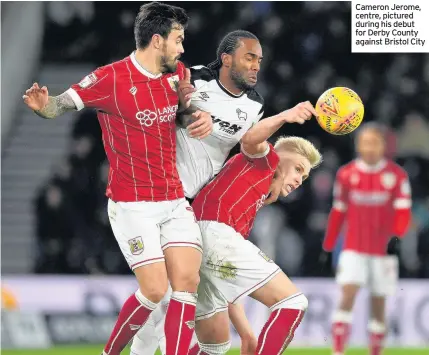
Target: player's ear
226 60
157 41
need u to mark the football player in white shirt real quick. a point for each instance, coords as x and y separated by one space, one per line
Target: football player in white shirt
225 88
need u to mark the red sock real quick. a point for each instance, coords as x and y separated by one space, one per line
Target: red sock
279 330
134 314
376 343
340 337
180 323
195 350
341 331
377 332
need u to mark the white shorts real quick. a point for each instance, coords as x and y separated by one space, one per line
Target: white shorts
378 273
144 230
232 268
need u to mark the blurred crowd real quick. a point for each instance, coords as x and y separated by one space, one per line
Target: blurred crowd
306 47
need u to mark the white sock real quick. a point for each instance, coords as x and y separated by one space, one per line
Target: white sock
145 341
296 301
216 349
342 317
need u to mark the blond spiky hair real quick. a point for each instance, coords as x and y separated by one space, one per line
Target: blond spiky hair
300 146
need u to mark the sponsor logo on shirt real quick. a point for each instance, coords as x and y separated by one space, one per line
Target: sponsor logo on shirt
165 114
227 127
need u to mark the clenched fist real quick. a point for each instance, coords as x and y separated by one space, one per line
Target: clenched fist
299 114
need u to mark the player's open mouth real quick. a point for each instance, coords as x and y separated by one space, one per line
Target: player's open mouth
289 188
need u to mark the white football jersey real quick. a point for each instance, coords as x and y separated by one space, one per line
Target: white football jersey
198 161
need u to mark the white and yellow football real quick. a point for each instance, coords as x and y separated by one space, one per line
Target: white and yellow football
340 110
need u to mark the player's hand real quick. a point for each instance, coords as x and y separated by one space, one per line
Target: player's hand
299 114
185 90
203 125
248 345
36 98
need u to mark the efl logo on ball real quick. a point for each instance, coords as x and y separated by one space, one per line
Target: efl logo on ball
340 110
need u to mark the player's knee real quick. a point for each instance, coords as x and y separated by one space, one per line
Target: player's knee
155 292
188 281
297 301
215 349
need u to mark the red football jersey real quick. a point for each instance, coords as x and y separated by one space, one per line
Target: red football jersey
137 112
236 194
371 199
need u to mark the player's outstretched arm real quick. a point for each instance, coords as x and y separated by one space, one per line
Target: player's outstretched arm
46 106
254 141
242 326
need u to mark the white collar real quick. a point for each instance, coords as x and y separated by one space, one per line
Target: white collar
229 92
364 167
141 69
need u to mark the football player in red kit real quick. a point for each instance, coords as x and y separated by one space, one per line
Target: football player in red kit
232 266
136 100
372 196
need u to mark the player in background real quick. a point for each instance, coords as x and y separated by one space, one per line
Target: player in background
233 267
136 102
226 89
372 196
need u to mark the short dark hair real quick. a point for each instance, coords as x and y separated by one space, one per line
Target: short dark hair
228 45
157 18
377 127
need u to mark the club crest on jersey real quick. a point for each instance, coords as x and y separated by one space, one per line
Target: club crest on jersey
173 81
136 245
388 180
242 116
88 80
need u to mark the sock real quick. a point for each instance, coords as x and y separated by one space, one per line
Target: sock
195 350
159 318
145 341
210 349
280 328
341 331
133 315
377 332
180 322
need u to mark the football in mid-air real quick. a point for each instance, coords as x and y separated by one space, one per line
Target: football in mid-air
340 110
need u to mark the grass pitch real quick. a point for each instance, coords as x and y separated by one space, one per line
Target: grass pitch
96 350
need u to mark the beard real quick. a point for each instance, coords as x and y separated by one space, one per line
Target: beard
238 79
168 65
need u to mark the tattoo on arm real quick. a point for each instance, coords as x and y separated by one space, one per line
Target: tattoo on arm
56 106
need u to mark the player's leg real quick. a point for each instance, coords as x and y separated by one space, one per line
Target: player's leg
377 325
383 282
151 335
238 268
287 305
352 273
145 341
135 226
181 242
211 321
